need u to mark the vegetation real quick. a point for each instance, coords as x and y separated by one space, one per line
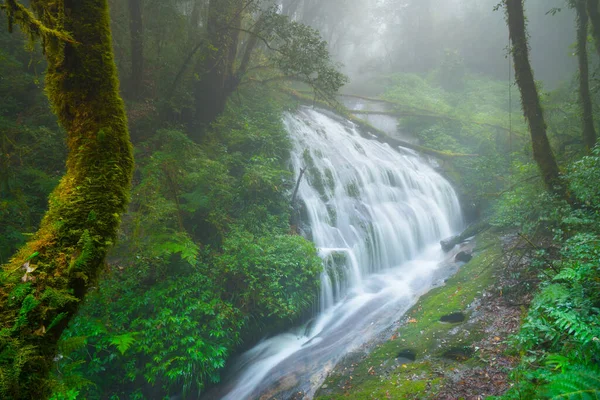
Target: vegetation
143 281
42 285
211 216
208 264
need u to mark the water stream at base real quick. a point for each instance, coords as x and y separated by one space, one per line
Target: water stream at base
376 214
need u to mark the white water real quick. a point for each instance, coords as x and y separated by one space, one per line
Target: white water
385 123
377 215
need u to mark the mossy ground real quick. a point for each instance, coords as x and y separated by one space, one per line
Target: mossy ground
381 374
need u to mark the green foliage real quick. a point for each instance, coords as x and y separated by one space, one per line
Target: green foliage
559 337
124 341
452 110
302 54
205 261
527 205
263 273
583 176
577 383
32 149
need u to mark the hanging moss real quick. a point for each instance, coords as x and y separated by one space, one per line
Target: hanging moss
42 286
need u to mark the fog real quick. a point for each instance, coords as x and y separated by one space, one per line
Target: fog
371 37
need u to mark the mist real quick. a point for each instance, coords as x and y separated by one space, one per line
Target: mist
374 37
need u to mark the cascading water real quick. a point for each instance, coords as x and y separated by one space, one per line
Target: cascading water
376 214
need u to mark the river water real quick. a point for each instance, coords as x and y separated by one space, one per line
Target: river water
376 214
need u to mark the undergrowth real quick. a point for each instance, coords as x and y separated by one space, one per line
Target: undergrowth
559 340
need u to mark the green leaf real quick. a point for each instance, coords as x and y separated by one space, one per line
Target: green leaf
124 342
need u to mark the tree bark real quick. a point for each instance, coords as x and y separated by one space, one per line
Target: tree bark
194 21
136 28
251 44
585 98
532 109
217 78
594 14
43 285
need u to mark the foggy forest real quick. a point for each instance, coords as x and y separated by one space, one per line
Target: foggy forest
299 199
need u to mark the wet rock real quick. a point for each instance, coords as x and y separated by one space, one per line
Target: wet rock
463 256
453 318
448 244
472 230
406 356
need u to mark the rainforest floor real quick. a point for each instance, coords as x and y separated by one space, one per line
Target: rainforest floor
424 358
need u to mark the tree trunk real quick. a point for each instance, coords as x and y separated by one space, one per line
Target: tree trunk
542 152
251 44
43 285
217 78
194 21
589 132
594 14
136 28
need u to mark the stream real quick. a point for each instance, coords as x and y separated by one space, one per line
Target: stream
376 214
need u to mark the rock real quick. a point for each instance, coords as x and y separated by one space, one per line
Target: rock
472 230
453 318
406 355
463 256
448 244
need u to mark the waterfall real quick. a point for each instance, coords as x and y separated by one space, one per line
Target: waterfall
376 214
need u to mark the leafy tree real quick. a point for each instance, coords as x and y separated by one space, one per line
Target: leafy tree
40 289
292 48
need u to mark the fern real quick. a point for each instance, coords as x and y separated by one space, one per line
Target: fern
569 275
67 346
124 342
579 383
572 323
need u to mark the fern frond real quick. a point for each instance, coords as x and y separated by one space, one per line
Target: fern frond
581 383
68 346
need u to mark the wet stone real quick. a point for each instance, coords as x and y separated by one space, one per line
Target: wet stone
406 356
463 256
454 318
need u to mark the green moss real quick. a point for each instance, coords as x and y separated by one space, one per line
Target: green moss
332 211
83 217
379 373
329 179
353 190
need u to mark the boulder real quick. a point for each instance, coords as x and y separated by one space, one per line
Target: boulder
448 244
454 318
463 256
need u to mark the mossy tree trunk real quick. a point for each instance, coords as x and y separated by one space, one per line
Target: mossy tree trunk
594 14
532 108
585 98
43 285
136 31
